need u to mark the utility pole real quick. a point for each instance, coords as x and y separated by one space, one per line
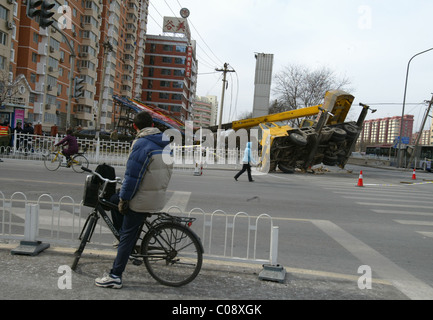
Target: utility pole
225 70
420 133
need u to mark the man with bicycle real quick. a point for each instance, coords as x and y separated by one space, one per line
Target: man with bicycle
72 144
143 191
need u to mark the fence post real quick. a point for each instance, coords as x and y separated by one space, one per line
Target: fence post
29 246
273 271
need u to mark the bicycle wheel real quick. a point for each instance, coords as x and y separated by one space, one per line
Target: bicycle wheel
173 254
52 161
79 161
89 226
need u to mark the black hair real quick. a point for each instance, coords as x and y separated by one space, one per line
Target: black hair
143 120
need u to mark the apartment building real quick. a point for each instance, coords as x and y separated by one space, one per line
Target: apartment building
203 110
170 74
385 130
99 41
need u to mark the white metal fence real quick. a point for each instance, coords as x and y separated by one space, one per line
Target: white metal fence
238 237
34 147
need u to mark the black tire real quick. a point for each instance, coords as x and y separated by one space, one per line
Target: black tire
52 161
173 254
351 130
78 162
330 160
338 135
90 227
285 169
298 139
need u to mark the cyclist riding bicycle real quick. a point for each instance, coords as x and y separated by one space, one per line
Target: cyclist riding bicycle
143 191
72 144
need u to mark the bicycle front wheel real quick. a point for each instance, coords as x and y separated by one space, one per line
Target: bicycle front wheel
78 162
172 253
52 161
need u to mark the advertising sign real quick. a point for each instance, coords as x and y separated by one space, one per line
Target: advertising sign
176 25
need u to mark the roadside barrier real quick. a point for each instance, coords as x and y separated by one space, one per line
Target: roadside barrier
233 237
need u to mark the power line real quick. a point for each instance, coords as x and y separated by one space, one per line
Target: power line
189 20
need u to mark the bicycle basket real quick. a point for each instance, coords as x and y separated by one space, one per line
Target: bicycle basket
91 187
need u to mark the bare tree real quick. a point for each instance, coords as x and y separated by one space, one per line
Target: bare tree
297 86
9 88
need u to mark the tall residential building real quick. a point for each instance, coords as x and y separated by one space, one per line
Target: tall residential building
385 130
203 110
168 82
99 41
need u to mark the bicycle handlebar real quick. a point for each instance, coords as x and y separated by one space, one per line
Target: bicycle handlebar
118 180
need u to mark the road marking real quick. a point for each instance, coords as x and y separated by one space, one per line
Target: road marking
397 199
179 199
403 212
415 222
385 268
41 181
426 233
393 205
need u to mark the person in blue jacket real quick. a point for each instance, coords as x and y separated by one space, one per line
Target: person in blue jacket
246 163
143 191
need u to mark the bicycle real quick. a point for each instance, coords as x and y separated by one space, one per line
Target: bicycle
54 160
172 253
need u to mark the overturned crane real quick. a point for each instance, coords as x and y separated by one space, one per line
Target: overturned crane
328 139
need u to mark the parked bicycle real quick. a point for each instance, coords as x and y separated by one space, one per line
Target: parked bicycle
170 250
55 160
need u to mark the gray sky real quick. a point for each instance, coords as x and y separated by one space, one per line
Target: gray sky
370 42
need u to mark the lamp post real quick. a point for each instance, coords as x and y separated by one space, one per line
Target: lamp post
404 104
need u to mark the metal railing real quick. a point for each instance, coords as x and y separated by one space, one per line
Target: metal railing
234 237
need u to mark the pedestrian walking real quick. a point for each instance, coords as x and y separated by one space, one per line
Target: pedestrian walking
246 163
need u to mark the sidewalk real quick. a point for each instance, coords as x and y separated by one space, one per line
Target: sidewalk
38 277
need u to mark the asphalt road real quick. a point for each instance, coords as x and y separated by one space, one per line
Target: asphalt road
327 224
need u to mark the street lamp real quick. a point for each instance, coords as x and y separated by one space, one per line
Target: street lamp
404 104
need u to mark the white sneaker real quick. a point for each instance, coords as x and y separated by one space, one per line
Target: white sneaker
109 281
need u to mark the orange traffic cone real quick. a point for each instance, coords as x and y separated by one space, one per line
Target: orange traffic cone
413 175
360 182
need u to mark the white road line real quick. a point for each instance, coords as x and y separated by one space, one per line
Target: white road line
179 199
403 212
376 204
385 268
396 199
426 233
415 222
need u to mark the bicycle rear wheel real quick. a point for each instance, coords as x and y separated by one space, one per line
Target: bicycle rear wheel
173 254
52 161
79 161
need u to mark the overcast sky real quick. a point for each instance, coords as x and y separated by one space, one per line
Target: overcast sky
370 42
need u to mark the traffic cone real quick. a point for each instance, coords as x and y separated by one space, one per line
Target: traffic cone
413 175
360 181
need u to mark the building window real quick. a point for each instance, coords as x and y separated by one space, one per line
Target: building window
165 84
163 95
179 60
3 38
176 96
